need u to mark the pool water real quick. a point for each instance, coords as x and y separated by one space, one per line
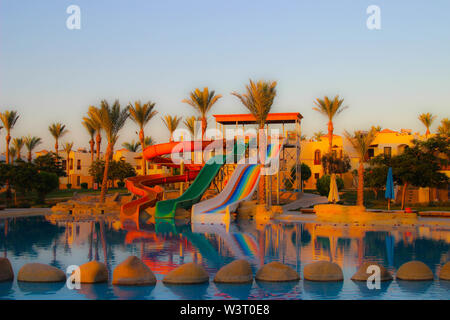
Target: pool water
165 245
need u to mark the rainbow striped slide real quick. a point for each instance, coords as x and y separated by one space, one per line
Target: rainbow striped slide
240 187
242 184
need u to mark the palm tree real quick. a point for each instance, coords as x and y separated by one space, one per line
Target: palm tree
202 101
427 120
91 119
444 128
361 142
31 143
67 147
57 130
141 115
330 109
190 125
18 145
376 128
318 135
12 153
112 119
171 124
132 146
258 100
90 128
9 119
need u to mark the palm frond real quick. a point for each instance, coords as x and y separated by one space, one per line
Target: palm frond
141 114
258 99
361 141
9 119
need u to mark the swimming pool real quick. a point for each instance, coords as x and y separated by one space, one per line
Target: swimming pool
165 245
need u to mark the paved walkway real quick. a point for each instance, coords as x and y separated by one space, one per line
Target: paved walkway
306 200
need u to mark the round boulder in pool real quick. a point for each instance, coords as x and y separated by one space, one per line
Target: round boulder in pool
415 271
445 272
364 272
6 270
93 272
323 271
133 272
189 273
39 272
238 271
276 272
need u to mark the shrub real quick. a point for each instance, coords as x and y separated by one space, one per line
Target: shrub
84 185
45 183
69 186
121 184
323 184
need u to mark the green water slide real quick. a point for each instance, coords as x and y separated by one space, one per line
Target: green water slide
167 208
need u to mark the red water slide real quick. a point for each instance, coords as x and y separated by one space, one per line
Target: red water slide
147 187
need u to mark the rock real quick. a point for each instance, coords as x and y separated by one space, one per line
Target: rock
323 271
6 271
188 273
362 275
414 270
238 271
276 272
444 274
38 272
93 272
133 272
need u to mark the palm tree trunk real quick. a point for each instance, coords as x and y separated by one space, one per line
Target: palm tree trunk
8 139
360 193
99 142
262 153
144 164
204 125
330 136
405 186
29 156
56 147
105 173
92 144
68 168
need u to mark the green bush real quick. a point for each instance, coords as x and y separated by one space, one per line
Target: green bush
84 185
69 186
323 184
45 183
121 184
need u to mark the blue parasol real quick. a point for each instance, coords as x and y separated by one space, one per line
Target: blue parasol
389 194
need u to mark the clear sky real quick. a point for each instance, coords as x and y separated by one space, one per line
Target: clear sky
161 50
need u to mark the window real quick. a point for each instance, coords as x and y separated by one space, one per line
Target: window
316 176
78 180
78 164
387 152
371 153
317 157
64 164
71 164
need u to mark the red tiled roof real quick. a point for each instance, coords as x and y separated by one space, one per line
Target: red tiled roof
288 117
388 131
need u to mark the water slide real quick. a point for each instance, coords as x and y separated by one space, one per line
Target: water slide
147 187
240 187
167 208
